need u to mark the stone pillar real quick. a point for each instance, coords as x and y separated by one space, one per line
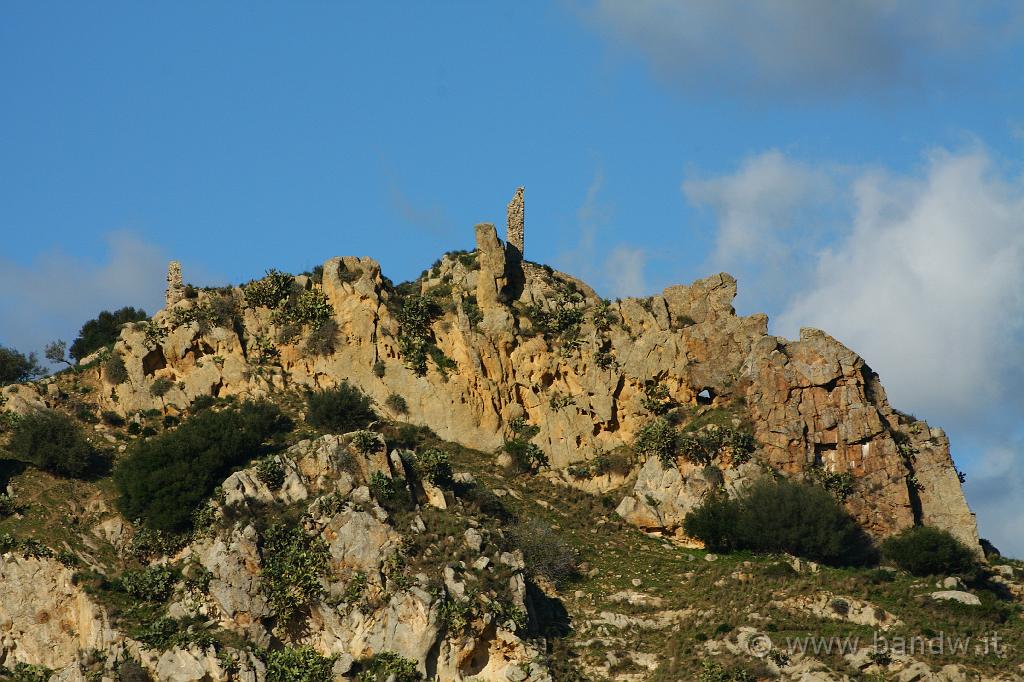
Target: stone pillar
175 288
516 234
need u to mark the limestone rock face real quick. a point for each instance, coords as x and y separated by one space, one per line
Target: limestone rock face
44 618
514 339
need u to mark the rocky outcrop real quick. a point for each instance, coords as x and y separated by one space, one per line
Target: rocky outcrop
514 339
368 605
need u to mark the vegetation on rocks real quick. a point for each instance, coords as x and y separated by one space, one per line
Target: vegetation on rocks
925 551
297 664
293 565
16 367
527 457
781 516
54 442
340 409
166 478
103 330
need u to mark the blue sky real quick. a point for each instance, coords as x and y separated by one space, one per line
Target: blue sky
857 166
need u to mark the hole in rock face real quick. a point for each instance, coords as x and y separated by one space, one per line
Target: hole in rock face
153 361
705 397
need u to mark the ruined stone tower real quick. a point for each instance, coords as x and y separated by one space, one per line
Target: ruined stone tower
516 225
175 289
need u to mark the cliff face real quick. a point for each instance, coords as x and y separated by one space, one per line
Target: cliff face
506 338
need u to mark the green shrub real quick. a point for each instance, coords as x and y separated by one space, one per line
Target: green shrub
270 291
163 480
435 466
54 443
379 368
415 337
135 428
8 505
366 442
341 409
298 664
397 404
114 370
293 565
781 516
840 484
154 584
713 671
656 399
270 471
387 666
526 457
103 330
160 387
925 551
309 307
657 438
322 338
16 367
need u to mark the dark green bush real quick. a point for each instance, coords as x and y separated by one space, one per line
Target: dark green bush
397 404
270 471
781 516
16 367
924 551
103 330
322 338
160 387
165 479
26 672
55 443
112 418
114 370
340 409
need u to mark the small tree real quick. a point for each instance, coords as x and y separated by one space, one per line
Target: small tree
16 367
54 443
103 330
340 409
57 351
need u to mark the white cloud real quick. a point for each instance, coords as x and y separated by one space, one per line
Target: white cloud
768 214
624 272
53 296
927 284
995 488
804 46
923 276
